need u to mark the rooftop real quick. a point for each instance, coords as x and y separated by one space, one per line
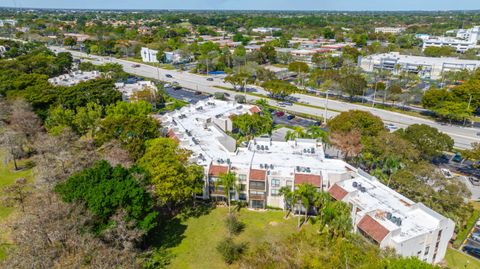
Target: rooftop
393 211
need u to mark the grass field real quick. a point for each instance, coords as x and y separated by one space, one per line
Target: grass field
8 177
458 260
199 236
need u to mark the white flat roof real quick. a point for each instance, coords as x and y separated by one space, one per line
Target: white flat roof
377 200
421 59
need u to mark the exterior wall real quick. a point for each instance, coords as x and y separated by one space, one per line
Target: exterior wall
149 55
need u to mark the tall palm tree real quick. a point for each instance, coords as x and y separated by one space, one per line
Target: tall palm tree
229 183
306 196
288 199
322 200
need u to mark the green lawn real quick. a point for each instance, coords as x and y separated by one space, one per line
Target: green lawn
458 260
7 177
198 237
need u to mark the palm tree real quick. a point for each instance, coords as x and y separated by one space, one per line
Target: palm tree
229 182
288 199
341 223
316 132
306 195
322 200
290 135
390 166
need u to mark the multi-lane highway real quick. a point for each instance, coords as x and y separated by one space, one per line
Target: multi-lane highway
312 105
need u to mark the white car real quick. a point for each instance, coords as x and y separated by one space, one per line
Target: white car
446 173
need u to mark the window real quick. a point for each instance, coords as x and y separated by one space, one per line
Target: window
274 192
419 253
242 196
426 250
243 187
257 185
242 177
275 182
289 183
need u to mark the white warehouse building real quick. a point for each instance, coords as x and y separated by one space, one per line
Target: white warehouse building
263 166
430 67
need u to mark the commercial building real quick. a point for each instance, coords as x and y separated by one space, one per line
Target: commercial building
428 67
149 55
263 166
175 57
74 78
389 30
468 33
465 40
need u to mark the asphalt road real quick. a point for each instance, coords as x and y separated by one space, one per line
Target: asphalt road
463 136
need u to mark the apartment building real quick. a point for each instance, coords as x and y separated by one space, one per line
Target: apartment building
389 219
263 166
74 78
429 67
128 90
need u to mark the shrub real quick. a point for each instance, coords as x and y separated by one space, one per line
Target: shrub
230 251
234 226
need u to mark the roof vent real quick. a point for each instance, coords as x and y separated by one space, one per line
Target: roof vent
271 166
363 189
389 215
354 184
261 165
266 166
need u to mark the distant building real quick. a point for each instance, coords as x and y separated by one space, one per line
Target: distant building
266 30
263 166
465 40
78 37
74 78
430 67
149 55
468 33
129 89
390 30
8 22
174 57
3 49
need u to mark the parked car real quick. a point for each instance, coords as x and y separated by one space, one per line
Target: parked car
226 94
475 237
135 65
446 173
210 79
288 103
198 93
169 76
478 134
475 181
441 160
290 117
457 158
472 250
279 113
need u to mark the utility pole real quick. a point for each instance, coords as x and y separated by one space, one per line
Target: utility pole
468 107
326 110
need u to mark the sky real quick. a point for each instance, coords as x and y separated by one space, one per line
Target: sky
353 5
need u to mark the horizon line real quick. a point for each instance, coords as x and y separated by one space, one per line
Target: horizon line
267 10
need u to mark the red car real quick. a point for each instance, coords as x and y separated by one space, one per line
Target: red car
279 113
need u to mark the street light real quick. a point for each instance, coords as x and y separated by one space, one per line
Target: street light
326 109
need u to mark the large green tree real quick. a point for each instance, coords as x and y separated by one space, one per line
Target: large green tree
367 123
175 181
427 140
105 189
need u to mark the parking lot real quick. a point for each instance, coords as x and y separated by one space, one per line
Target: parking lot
185 95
